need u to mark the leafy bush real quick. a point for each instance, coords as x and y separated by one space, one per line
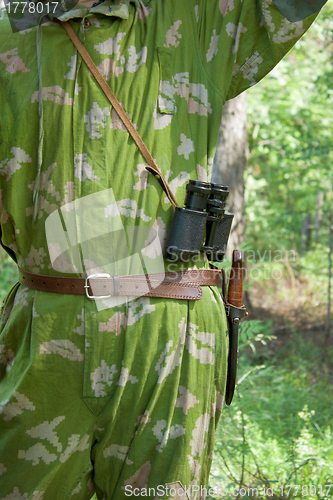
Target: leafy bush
278 430
290 140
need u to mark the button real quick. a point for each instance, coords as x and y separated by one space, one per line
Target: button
86 23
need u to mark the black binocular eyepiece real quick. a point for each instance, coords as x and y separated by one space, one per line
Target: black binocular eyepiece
197 194
204 211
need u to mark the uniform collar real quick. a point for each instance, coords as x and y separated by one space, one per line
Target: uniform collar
117 8
70 9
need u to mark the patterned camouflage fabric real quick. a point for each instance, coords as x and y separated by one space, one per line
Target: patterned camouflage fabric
122 398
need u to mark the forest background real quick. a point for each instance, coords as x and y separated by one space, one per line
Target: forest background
275 440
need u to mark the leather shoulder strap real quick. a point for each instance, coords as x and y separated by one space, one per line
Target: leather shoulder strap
152 167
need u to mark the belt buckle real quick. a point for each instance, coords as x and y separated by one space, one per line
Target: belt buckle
86 286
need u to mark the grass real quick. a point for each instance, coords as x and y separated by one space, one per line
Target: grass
278 430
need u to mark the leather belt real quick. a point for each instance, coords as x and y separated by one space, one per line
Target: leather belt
185 285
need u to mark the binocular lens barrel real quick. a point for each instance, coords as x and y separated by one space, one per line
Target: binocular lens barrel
216 252
219 191
204 211
197 193
186 234
215 208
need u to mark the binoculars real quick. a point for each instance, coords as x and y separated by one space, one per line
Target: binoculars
203 225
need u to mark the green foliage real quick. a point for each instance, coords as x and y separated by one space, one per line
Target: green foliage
290 127
278 430
254 331
312 268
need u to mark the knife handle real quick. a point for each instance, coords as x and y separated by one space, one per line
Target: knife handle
235 290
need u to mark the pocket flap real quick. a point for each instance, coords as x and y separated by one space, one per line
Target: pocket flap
165 102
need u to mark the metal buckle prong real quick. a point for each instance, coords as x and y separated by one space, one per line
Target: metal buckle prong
86 286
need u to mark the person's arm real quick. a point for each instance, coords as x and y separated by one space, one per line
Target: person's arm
240 41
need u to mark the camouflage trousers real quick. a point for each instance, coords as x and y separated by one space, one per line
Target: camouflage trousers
127 409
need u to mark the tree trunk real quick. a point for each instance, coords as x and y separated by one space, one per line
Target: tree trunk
230 162
330 244
319 206
306 233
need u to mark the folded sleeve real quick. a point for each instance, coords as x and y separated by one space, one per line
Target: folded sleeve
240 41
298 10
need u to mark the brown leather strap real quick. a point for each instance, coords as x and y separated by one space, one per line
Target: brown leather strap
185 285
120 111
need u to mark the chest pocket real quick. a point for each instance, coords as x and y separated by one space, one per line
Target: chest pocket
165 100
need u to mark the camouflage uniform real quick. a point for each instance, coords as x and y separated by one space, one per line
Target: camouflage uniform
125 398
